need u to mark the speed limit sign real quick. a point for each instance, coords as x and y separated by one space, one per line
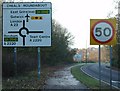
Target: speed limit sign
102 31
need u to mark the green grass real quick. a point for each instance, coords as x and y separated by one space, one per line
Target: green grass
87 80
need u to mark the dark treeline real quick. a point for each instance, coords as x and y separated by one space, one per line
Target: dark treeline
58 53
116 48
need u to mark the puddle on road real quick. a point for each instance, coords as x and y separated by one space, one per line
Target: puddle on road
63 79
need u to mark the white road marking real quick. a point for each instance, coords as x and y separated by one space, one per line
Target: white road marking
97 78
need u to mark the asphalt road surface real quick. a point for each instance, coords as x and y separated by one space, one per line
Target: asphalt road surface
93 71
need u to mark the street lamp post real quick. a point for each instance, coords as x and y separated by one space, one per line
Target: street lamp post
86 51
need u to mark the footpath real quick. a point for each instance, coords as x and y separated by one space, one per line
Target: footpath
63 79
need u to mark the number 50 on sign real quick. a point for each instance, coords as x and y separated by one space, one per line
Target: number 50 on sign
102 31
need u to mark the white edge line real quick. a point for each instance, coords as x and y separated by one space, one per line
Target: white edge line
96 78
115 81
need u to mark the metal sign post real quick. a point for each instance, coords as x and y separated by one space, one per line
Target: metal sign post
110 67
99 67
38 62
15 61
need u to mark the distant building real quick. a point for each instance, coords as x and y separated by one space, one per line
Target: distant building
77 57
91 54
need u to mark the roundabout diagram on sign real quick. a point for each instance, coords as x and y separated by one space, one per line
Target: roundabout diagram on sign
23 32
25 26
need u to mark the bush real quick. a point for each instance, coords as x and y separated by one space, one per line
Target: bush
88 61
27 57
7 62
115 63
26 60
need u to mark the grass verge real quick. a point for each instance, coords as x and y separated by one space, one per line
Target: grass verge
87 80
28 80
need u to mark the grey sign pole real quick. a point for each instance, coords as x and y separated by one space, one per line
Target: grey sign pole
15 60
110 67
38 62
99 67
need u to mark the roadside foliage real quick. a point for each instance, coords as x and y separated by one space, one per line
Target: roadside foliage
58 53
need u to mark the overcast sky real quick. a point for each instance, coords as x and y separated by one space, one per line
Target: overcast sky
75 15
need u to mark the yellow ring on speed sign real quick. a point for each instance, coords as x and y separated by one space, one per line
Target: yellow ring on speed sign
103 32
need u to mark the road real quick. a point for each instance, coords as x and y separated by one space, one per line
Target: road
93 71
